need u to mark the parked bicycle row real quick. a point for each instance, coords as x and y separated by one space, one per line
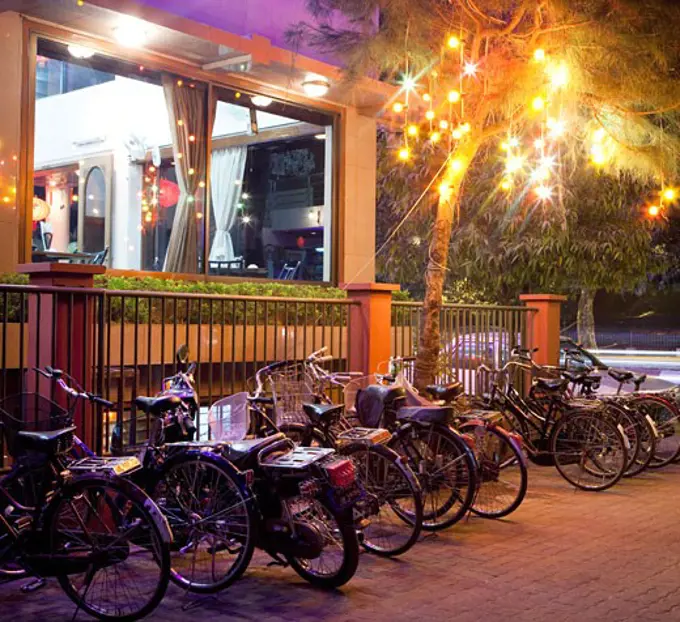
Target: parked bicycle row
287 470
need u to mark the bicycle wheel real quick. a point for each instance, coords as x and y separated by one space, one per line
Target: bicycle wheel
629 427
589 450
390 516
666 418
502 473
646 434
446 469
122 530
212 521
338 561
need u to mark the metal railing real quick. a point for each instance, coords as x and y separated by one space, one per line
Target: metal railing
121 344
470 335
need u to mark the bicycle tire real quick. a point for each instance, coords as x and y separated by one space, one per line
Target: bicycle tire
184 490
147 520
666 417
574 446
507 456
381 508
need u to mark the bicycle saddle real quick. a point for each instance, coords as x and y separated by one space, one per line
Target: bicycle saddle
157 405
551 385
638 380
445 392
425 414
46 442
621 375
322 412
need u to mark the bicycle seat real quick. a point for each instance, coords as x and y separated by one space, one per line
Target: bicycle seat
551 385
445 392
46 442
621 375
425 414
157 405
573 377
638 380
239 452
322 412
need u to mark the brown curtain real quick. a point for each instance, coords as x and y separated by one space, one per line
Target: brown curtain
186 103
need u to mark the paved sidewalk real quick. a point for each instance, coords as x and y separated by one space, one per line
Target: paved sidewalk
605 557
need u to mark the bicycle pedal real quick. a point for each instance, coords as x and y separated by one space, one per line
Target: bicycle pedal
33 586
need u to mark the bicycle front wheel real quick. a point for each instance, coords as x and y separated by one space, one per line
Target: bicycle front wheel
116 526
666 419
390 515
589 451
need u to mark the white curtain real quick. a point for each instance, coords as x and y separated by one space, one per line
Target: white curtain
226 174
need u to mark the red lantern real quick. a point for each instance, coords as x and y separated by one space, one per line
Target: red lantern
168 194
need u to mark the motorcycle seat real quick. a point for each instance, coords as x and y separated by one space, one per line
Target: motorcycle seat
445 392
157 405
322 412
621 375
425 414
239 451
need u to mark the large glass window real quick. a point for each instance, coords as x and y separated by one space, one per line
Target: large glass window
122 166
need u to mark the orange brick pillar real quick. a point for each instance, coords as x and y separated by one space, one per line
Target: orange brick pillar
370 325
544 326
61 332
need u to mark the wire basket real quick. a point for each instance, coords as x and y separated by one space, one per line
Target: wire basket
291 387
31 412
229 418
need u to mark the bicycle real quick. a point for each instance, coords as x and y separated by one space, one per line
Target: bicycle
101 536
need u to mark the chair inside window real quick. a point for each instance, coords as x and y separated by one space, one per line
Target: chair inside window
290 271
98 259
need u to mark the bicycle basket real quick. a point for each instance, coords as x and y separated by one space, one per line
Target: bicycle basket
290 388
31 412
229 418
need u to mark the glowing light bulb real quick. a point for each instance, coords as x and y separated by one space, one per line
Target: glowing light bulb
426 97
515 163
543 192
539 143
539 55
559 75
453 42
513 142
506 184
409 83
443 124
412 130
466 127
245 219
457 165
597 155
669 194
653 211
398 107
598 135
404 153
542 173
505 146
470 69
435 136
555 127
444 190
457 134
429 115
453 96
538 103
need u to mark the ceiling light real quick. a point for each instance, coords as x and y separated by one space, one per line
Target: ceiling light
262 101
320 136
131 33
315 86
80 51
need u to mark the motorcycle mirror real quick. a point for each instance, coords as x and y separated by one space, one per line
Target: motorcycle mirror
182 355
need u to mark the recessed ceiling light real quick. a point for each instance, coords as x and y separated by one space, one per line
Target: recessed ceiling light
261 101
80 51
131 33
315 86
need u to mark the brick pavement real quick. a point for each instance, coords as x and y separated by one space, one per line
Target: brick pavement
605 557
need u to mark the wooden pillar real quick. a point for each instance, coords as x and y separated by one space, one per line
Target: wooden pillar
544 326
370 325
61 327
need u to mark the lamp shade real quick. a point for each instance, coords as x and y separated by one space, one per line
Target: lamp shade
41 209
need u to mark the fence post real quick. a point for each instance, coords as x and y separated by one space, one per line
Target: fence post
61 328
544 326
370 332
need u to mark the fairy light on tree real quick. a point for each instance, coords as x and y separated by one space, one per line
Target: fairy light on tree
530 70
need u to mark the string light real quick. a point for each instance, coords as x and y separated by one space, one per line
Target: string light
457 134
556 128
398 107
539 55
435 136
669 194
559 75
470 69
466 127
505 146
515 163
538 103
597 155
429 115
412 130
543 192
599 134
506 184
454 96
404 153
453 42
653 211
426 97
457 165
409 83
513 142
443 124
539 143
444 190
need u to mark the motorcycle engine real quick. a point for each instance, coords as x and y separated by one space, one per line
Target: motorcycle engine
307 542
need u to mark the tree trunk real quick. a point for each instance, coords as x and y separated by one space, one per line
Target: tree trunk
585 319
435 274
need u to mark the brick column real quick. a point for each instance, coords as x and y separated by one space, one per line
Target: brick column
61 326
544 326
370 325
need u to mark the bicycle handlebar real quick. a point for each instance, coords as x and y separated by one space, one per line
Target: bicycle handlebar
58 376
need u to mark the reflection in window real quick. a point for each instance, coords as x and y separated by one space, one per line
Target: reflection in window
94 221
